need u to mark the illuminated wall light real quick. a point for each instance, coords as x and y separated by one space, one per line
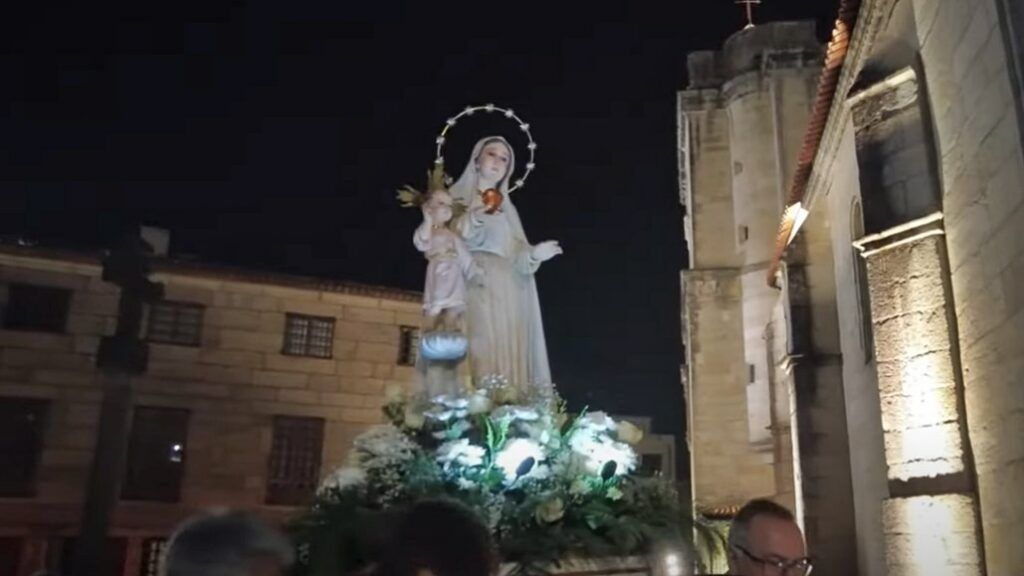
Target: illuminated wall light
797 215
673 565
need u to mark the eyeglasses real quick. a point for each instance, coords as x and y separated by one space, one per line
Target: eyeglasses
798 567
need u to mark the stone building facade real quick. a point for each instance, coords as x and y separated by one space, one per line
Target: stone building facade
888 308
256 385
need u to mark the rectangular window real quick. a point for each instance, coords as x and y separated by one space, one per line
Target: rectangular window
408 346
22 422
36 308
308 336
294 468
156 454
650 465
175 323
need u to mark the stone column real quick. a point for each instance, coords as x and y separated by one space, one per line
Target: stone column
931 518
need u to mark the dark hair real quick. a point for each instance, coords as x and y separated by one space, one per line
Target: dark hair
222 544
442 536
757 507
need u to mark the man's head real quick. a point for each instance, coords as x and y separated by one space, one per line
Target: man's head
440 538
228 544
764 540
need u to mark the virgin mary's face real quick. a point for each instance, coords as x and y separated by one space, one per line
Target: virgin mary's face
493 161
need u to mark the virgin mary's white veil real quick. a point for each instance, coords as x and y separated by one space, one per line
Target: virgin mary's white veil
466 188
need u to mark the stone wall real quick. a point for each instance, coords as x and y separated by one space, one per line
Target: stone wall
860 385
726 470
822 441
744 115
233 384
977 120
710 209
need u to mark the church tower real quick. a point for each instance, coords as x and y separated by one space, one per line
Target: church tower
741 122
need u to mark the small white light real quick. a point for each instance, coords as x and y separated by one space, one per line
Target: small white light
451 122
524 127
508 113
440 140
673 565
530 166
798 214
532 145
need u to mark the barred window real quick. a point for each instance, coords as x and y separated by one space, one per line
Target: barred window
650 465
294 468
176 323
152 556
156 454
22 421
36 308
308 336
408 346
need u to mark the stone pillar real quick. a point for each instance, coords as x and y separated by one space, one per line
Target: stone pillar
931 518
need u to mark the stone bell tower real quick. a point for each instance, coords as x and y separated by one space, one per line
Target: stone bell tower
741 122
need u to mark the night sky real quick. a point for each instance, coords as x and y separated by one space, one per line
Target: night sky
274 134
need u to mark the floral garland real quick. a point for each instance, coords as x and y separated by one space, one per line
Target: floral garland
548 483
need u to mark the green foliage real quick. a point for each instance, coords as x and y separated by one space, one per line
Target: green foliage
550 485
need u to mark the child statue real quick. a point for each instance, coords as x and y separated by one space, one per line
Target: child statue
450 264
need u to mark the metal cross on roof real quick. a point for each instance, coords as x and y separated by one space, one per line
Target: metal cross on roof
750 11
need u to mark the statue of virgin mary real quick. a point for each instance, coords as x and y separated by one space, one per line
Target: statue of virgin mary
503 319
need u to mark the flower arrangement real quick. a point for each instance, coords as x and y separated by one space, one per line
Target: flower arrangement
549 484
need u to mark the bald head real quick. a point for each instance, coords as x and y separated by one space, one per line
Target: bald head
764 531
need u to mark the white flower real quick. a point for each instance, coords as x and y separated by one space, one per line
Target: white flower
442 414
512 412
597 449
342 478
465 484
460 452
450 401
598 421
613 493
382 446
479 403
515 453
628 433
550 511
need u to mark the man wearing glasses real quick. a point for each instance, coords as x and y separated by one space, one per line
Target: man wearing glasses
764 540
